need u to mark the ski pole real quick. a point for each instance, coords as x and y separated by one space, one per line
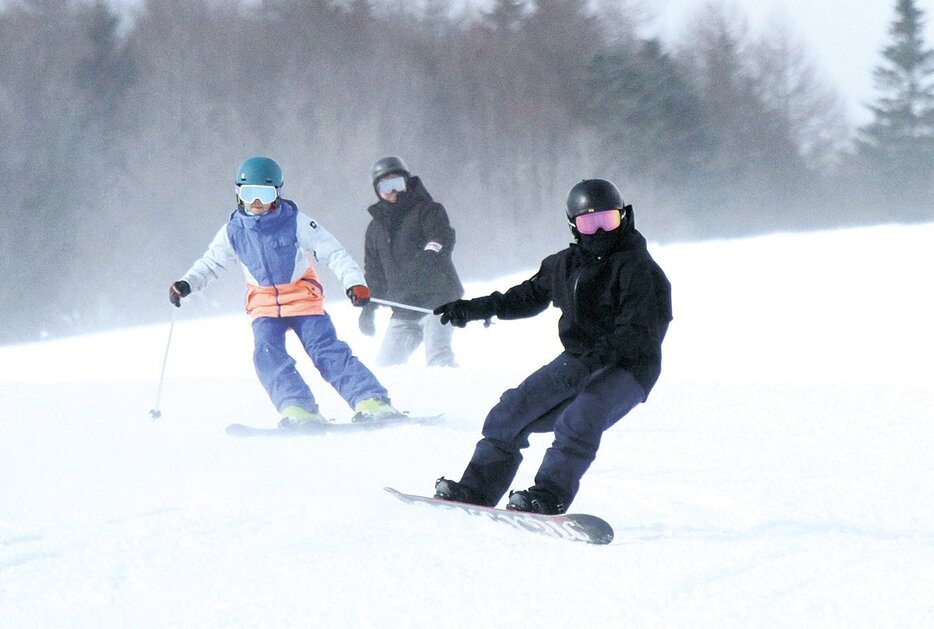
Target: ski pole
393 304
155 413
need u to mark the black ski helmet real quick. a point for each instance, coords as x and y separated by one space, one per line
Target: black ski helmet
593 195
388 165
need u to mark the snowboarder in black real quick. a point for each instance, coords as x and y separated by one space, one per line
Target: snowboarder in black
408 260
615 306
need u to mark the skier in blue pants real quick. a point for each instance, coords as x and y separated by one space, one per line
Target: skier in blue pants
616 306
332 357
277 247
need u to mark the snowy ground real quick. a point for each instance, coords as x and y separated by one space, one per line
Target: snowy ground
781 474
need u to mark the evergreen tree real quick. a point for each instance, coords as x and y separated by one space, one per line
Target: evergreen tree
898 145
804 106
648 118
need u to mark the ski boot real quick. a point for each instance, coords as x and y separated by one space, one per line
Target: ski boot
533 500
375 409
296 418
456 492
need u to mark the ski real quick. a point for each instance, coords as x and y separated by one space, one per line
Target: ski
242 430
578 527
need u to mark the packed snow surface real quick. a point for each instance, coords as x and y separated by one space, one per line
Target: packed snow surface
781 473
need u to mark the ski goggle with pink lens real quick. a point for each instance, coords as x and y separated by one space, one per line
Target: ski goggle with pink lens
589 223
249 193
392 183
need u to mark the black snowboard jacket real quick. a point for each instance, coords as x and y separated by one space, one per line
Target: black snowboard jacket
397 265
615 309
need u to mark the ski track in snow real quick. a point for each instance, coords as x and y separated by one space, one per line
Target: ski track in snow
779 475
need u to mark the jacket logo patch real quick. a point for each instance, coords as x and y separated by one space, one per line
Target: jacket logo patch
433 246
313 224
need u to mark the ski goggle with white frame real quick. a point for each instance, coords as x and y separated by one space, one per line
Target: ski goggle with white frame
248 193
391 183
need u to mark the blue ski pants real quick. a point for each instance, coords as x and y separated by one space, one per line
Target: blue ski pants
563 397
331 357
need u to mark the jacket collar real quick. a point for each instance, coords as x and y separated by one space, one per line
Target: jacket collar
283 210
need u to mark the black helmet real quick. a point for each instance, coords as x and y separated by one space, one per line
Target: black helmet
593 195
388 165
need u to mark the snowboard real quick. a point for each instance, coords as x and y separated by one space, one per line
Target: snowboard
578 527
242 430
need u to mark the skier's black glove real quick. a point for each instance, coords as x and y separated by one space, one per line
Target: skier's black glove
460 312
359 295
367 320
178 290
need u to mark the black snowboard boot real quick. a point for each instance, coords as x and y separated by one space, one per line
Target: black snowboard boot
456 492
534 501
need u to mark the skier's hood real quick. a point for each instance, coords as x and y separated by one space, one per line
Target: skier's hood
415 194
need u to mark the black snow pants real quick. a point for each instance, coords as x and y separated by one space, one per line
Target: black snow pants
564 397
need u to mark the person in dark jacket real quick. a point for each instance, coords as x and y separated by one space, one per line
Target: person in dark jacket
407 260
615 304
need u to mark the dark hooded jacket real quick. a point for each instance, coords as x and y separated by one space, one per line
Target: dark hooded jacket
615 307
400 261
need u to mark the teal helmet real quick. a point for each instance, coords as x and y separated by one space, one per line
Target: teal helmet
259 171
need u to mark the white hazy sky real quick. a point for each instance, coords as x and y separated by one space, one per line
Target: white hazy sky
844 38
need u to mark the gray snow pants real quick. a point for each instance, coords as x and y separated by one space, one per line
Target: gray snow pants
403 336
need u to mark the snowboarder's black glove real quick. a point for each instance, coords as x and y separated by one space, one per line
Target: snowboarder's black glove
459 313
368 320
594 359
178 290
359 295
610 351
453 312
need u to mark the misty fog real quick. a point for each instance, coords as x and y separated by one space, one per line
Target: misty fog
119 141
